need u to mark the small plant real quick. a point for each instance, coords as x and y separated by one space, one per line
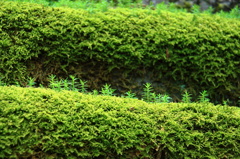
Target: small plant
147 92
163 98
58 85
65 84
235 12
83 86
196 9
107 90
150 96
73 82
54 84
129 94
226 102
186 97
203 98
153 97
147 96
31 82
52 79
95 92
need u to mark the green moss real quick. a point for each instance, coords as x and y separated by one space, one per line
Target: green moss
202 49
42 122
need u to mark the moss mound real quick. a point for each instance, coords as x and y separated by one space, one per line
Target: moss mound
43 123
121 46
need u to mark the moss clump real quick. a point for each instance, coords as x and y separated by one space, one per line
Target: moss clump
36 122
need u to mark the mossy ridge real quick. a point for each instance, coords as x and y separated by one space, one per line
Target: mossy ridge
69 124
201 49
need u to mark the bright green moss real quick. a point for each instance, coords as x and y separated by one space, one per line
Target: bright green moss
200 48
67 124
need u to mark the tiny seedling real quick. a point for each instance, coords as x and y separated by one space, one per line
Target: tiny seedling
226 102
58 85
83 86
129 94
147 92
52 81
73 82
65 84
54 84
186 97
203 98
163 98
31 82
95 92
153 97
107 90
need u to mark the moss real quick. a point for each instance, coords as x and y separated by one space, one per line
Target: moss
43 123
